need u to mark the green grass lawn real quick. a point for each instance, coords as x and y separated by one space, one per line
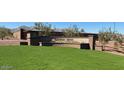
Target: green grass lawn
57 58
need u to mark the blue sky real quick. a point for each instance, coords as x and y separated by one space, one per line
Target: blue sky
93 27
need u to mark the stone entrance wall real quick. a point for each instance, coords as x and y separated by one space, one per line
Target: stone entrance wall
81 42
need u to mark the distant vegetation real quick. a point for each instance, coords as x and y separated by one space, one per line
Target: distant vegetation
5 33
46 28
106 35
73 31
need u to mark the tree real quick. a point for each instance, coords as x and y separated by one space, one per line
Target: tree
82 30
68 32
72 31
5 32
119 38
105 35
76 30
45 28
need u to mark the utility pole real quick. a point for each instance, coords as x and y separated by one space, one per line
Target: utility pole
114 26
102 27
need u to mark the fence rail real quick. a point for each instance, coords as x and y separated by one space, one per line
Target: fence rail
111 46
